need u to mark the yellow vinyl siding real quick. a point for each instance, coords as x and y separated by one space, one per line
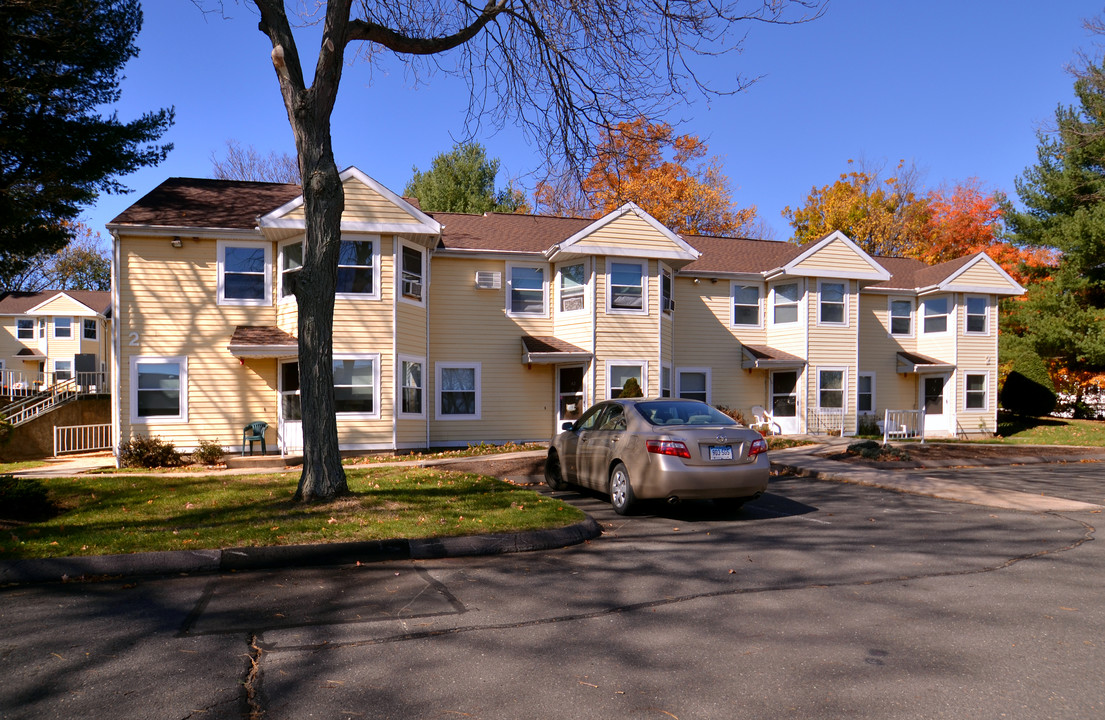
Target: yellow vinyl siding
628 336
630 234
982 275
363 204
879 354
834 256
703 339
976 354
834 347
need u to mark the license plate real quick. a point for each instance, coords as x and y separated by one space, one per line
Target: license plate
721 452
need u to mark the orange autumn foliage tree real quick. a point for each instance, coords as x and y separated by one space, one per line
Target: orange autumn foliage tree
966 219
669 176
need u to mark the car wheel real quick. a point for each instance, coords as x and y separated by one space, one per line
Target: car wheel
621 490
554 477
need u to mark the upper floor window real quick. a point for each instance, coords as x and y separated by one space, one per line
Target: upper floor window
526 295
91 330
831 305
244 273
573 283
25 328
627 287
746 305
291 261
977 312
786 303
413 272
901 317
63 327
356 268
936 315
667 303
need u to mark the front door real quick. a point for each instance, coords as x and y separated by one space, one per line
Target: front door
569 394
290 433
934 399
784 400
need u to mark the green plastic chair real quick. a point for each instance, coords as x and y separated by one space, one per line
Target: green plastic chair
254 432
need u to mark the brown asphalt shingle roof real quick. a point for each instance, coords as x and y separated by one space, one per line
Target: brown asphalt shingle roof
504 232
17 303
203 202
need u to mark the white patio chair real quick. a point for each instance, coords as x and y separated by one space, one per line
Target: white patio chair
761 418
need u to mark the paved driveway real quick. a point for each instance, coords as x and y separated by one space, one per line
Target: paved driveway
1084 482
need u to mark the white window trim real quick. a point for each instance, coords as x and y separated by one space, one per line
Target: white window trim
510 311
279 290
30 327
376 269
949 316
665 271
610 309
702 370
399 385
221 247
985 315
54 368
377 399
843 389
95 329
420 302
438 367
42 328
136 419
844 283
665 374
986 391
890 317
733 285
55 335
559 280
874 400
797 304
642 364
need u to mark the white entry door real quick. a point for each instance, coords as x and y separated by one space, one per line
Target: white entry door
936 399
290 433
569 394
784 400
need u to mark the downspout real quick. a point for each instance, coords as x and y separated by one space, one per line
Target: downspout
396 380
426 374
116 400
594 329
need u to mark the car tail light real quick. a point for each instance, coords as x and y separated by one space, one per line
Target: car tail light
759 445
668 447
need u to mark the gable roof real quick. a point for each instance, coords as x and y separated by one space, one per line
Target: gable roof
19 303
206 203
505 232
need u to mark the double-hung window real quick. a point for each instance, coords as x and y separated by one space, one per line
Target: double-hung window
413 272
627 287
975 391
936 315
865 393
667 302
901 317
746 305
786 303
63 370
90 328
356 378
411 385
830 389
619 373
977 311
63 327
526 295
158 389
291 262
573 285
24 328
458 391
245 276
694 384
356 268
831 308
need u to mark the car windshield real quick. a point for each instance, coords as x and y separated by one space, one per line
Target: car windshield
681 412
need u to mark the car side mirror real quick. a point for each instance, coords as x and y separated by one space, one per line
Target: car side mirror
567 425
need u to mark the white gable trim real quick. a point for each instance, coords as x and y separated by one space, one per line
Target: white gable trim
66 295
423 222
948 284
575 243
877 272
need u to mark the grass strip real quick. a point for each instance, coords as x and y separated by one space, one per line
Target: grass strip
107 514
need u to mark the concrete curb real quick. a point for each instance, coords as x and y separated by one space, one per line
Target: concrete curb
255 558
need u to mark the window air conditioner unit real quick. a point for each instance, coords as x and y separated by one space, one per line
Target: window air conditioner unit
412 288
486 280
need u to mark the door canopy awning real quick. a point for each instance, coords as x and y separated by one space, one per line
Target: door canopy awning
255 341
549 350
914 363
763 357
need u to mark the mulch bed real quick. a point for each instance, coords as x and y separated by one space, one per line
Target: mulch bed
933 455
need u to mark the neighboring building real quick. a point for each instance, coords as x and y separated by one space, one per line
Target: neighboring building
452 329
52 336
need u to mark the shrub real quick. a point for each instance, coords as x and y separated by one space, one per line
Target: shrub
148 452
1028 389
867 425
631 389
733 413
209 452
24 499
875 451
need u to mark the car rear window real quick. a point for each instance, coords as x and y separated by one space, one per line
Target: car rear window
670 412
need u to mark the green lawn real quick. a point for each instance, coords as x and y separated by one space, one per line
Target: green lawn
104 514
11 467
1024 430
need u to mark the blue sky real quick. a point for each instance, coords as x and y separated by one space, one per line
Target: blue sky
957 87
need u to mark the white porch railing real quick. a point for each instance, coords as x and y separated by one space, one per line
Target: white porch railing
903 424
825 421
81 438
60 390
